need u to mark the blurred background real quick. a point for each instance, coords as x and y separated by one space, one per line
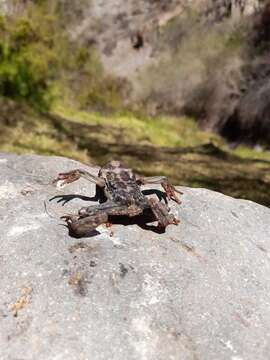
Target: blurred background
173 87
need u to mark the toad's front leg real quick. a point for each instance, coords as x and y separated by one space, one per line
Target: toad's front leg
73 175
167 186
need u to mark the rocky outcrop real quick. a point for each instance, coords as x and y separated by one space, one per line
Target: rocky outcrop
250 121
163 49
247 119
112 25
198 291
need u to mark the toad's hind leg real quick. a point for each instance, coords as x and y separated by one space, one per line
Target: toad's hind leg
89 218
161 213
112 209
80 226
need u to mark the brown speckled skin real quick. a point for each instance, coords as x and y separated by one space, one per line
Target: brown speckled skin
121 186
124 198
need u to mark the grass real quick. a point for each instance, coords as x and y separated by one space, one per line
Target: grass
144 130
245 152
174 147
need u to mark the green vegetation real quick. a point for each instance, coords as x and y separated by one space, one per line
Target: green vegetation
27 58
143 130
38 63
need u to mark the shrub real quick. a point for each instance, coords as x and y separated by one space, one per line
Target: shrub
27 58
37 57
91 87
200 75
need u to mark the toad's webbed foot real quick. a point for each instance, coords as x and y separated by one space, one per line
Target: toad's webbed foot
73 175
162 214
171 191
167 186
66 178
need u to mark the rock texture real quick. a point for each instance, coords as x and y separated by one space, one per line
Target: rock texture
198 291
112 24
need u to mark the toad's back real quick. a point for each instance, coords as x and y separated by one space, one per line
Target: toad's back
120 184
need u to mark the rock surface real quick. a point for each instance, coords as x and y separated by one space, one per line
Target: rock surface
199 291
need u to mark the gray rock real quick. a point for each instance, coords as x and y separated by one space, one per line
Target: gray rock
199 291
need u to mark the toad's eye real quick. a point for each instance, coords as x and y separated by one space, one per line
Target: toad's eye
111 176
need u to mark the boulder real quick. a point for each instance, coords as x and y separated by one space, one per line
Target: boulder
198 291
